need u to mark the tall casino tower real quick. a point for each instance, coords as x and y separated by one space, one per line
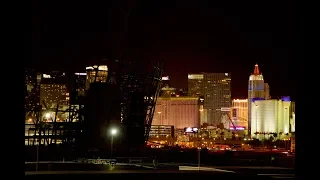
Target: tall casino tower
255 91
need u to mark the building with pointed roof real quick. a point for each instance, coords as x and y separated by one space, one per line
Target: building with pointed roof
256 90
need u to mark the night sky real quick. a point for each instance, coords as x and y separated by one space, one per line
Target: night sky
189 36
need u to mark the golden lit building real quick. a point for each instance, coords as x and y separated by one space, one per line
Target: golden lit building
270 116
215 88
53 89
180 112
53 94
96 74
239 113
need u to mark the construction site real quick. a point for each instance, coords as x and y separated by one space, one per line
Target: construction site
125 100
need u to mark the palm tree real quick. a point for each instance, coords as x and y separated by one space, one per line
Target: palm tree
280 133
222 135
275 135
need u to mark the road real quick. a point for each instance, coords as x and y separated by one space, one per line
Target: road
163 168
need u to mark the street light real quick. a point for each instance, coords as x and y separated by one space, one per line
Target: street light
48 115
113 133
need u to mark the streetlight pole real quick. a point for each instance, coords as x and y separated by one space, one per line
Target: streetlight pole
199 152
37 155
111 146
113 132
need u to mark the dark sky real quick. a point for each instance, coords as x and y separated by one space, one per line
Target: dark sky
189 36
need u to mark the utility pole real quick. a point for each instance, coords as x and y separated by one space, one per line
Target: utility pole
199 152
37 155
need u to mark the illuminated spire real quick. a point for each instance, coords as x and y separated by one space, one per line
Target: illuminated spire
256 69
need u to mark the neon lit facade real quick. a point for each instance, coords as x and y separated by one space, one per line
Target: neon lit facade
269 116
179 112
239 112
256 89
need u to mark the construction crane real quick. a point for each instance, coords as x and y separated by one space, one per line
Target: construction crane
229 119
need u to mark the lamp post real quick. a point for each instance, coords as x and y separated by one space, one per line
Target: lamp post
113 133
37 154
199 158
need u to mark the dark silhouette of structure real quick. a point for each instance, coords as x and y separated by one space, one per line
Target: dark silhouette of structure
126 101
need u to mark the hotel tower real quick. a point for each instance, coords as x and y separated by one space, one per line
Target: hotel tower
256 90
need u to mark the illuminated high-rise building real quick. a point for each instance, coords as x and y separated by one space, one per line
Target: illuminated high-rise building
96 74
270 116
53 94
195 85
31 89
80 83
266 91
255 91
166 90
77 88
53 89
239 113
165 81
180 112
215 88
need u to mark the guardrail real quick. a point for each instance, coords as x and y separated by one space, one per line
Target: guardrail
194 168
132 160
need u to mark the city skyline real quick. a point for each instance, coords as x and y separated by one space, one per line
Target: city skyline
276 92
163 87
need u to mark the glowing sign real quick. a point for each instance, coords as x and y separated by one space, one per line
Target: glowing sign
81 74
191 130
195 76
166 78
240 100
225 109
46 76
238 127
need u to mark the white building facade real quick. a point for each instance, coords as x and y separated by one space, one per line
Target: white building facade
270 116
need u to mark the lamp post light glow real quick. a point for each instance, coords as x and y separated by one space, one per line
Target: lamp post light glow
113 132
48 115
